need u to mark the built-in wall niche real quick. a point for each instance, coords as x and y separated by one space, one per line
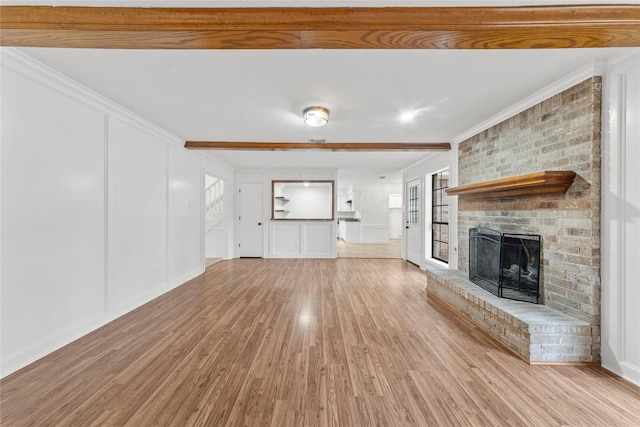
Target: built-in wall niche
302 200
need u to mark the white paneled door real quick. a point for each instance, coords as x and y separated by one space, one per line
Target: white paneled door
250 219
414 213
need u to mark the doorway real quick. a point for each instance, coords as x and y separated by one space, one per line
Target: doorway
250 220
412 227
215 230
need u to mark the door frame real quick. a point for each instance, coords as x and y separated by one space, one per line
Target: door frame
239 184
421 212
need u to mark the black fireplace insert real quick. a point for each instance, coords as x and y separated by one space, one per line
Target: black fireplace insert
505 264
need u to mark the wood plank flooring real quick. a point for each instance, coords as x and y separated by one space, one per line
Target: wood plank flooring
392 249
346 342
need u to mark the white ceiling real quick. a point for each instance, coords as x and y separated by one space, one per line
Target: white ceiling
246 95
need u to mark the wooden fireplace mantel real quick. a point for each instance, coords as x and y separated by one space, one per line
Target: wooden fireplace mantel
546 182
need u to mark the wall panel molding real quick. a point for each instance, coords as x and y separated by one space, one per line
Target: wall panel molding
139 212
374 233
91 120
620 297
53 215
16 60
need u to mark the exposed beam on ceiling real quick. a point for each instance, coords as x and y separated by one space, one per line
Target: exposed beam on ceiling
528 27
331 146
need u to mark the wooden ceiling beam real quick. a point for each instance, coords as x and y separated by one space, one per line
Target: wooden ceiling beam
330 146
528 27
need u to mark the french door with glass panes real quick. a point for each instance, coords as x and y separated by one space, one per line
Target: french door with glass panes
414 211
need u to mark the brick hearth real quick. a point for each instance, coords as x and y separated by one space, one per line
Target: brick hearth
537 333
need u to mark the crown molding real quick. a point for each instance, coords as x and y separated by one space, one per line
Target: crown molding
15 60
596 68
623 60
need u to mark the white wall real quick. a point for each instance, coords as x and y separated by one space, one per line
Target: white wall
308 202
395 223
185 214
434 163
101 211
621 217
290 238
374 210
53 213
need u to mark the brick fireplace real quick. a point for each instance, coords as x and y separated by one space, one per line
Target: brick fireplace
561 133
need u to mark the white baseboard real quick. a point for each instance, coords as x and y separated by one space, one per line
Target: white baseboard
41 349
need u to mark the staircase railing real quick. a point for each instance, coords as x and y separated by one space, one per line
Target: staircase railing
213 199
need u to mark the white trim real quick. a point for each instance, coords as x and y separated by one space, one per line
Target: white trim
622 62
596 68
629 372
14 59
622 215
264 248
437 171
211 164
107 215
419 182
203 206
41 349
421 161
436 263
428 219
365 236
167 215
616 181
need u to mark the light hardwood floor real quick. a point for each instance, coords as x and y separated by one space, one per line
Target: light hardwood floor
393 249
346 342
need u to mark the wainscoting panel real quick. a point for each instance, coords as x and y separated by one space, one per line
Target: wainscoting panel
374 233
101 211
302 239
139 212
285 239
53 214
185 217
319 240
621 219
631 227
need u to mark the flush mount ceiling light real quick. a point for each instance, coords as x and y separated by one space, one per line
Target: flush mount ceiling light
316 116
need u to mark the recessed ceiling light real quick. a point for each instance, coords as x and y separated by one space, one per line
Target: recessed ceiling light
316 116
408 116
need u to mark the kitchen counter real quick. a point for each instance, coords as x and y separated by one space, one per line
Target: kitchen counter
349 229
